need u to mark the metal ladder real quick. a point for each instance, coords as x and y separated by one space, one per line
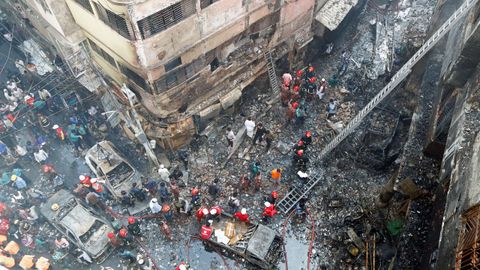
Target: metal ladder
294 195
292 198
272 74
242 243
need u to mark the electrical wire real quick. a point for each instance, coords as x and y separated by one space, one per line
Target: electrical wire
9 52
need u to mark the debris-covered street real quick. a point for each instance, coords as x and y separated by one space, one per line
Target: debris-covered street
79 190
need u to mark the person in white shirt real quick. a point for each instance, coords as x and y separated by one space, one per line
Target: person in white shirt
154 206
40 156
230 137
164 173
9 97
250 127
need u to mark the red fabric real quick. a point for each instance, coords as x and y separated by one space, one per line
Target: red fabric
97 187
4 226
30 101
178 267
269 211
206 232
299 73
216 207
47 168
241 216
200 214
11 118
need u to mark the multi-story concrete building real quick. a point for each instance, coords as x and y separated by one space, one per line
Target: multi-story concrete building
186 60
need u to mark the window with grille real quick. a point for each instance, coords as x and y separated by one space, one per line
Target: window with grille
102 53
116 22
179 75
85 4
206 3
173 64
133 76
166 18
468 245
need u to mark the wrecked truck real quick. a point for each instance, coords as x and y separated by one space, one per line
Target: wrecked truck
256 243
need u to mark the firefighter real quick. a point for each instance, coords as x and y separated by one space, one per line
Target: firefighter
114 240
201 213
125 236
268 212
134 226
167 212
195 196
242 215
215 213
272 199
206 230
182 266
307 138
299 146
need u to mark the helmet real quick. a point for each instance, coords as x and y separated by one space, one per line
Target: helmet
165 208
300 152
81 177
131 220
296 88
123 232
213 211
195 191
323 79
267 204
312 79
300 143
243 211
274 194
55 207
311 69
111 235
55 127
299 73
13 178
295 105
308 133
205 211
154 200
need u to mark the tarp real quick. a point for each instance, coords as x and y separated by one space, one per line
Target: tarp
27 262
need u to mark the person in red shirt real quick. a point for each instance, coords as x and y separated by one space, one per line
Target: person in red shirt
182 266
268 212
59 132
215 212
201 213
242 215
85 180
206 230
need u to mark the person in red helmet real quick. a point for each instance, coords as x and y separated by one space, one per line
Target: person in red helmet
242 215
114 240
201 213
85 180
268 212
307 138
206 230
310 72
300 161
125 236
134 226
195 196
272 199
299 74
300 145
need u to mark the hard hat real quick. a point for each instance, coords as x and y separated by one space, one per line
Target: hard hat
213 211
312 79
161 166
154 200
55 207
55 127
243 211
296 88
300 152
81 177
195 191
300 143
295 105
13 178
267 204
323 79
111 235
182 267
131 220
165 208
205 211
308 133
274 194
299 73
123 232
311 68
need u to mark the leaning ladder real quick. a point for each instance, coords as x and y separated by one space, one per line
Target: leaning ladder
272 75
289 201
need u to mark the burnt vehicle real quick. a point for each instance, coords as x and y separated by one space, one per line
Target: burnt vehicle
79 224
256 243
107 163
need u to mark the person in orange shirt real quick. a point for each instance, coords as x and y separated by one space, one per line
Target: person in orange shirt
276 175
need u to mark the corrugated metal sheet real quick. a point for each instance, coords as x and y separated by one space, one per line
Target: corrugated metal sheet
333 12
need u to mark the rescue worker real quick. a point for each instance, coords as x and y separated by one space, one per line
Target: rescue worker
272 199
182 266
310 72
134 226
85 180
206 230
307 138
300 161
215 212
167 212
268 212
114 240
299 146
125 236
276 175
300 115
242 215
60 134
98 188
195 196
201 213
